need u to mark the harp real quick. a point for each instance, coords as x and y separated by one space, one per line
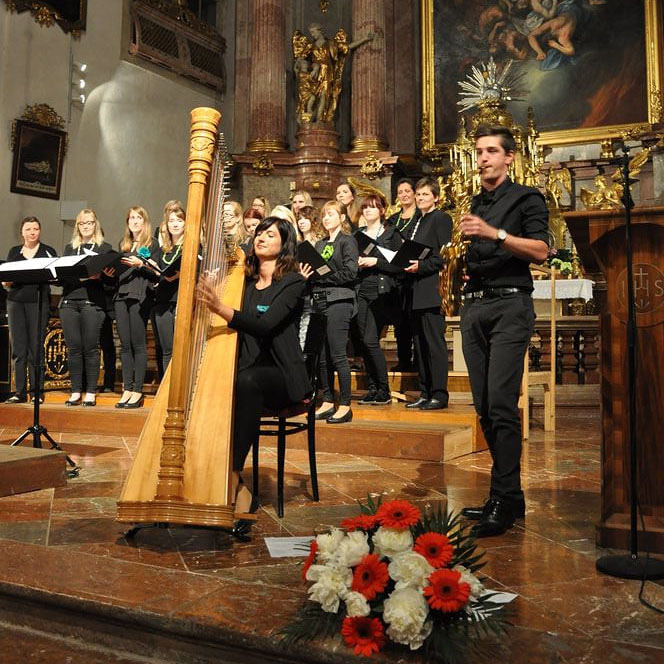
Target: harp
182 470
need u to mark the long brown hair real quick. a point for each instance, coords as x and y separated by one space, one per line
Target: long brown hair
286 261
145 238
166 237
345 227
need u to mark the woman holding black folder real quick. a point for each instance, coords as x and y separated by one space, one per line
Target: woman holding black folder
82 311
377 297
166 291
23 310
133 302
334 295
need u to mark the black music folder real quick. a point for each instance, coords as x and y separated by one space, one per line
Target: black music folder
85 265
408 251
306 253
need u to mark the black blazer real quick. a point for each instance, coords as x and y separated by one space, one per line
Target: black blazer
339 284
383 272
136 282
435 231
279 327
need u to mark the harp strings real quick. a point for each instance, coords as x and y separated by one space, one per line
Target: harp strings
213 261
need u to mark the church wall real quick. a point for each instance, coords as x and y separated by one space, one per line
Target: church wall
128 145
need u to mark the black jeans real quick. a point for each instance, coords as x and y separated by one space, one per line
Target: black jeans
26 339
256 388
495 334
81 323
334 357
163 319
431 353
131 317
372 317
107 343
403 329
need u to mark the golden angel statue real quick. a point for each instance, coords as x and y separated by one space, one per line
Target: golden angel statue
319 66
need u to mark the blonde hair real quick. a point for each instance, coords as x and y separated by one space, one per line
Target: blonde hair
282 212
305 194
77 239
145 238
345 228
166 237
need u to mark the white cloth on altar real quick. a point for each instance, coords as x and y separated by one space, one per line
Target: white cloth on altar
566 289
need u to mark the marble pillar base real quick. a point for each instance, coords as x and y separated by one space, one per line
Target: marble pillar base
317 140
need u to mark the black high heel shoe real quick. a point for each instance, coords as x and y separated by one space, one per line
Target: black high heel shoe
325 414
242 527
347 417
136 404
73 402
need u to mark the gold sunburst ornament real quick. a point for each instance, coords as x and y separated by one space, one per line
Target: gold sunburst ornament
487 82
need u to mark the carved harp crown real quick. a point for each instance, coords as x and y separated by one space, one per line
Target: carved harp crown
181 473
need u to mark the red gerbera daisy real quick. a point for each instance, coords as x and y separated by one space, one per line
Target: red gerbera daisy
370 576
365 635
436 548
398 514
362 522
445 592
313 550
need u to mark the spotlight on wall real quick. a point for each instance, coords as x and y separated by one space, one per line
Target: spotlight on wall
78 83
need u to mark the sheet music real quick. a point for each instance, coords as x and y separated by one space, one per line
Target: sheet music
68 261
387 253
29 264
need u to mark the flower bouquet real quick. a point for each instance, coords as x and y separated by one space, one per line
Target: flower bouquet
393 574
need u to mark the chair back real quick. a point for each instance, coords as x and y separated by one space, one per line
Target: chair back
313 347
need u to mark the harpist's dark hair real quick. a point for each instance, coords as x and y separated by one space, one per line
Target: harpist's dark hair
286 261
507 141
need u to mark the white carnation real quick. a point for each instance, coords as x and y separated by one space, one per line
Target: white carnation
352 549
328 543
405 611
410 570
389 542
476 587
356 604
331 583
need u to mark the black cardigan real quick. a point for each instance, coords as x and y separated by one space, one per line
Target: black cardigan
28 292
278 331
136 282
383 272
435 231
340 283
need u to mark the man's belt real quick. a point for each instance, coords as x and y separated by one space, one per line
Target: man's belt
493 292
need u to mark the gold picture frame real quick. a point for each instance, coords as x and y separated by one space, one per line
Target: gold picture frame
652 78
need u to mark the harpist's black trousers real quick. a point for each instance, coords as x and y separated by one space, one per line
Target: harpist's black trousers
256 388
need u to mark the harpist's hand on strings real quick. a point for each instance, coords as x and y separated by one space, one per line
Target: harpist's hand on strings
206 294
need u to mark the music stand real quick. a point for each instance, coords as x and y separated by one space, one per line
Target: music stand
38 271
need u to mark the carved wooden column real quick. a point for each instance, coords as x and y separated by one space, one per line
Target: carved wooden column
267 94
368 78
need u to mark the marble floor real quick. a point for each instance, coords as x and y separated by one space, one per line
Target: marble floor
65 542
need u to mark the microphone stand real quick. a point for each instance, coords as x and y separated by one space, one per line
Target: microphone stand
37 430
630 566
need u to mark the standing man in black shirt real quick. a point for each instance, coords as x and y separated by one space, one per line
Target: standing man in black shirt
507 229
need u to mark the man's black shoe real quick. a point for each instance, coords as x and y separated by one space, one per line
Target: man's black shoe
402 367
433 404
497 518
382 398
475 513
368 398
417 404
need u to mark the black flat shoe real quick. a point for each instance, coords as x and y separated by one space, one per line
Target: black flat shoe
496 519
89 404
382 399
348 417
121 404
73 402
417 404
433 404
325 414
17 398
368 398
136 404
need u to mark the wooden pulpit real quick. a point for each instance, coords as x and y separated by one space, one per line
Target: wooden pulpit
600 239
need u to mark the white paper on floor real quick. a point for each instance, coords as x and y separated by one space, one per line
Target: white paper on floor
285 547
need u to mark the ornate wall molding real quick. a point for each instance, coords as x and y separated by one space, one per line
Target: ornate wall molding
70 16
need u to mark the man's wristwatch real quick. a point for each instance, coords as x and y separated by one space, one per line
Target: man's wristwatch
502 236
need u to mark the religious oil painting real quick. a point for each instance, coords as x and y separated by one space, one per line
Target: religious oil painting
587 67
38 159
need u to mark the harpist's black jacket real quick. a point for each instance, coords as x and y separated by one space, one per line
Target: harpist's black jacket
277 331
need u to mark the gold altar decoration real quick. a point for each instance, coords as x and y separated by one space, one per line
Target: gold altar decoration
319 67
72 19
262 165
55 356
372 168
